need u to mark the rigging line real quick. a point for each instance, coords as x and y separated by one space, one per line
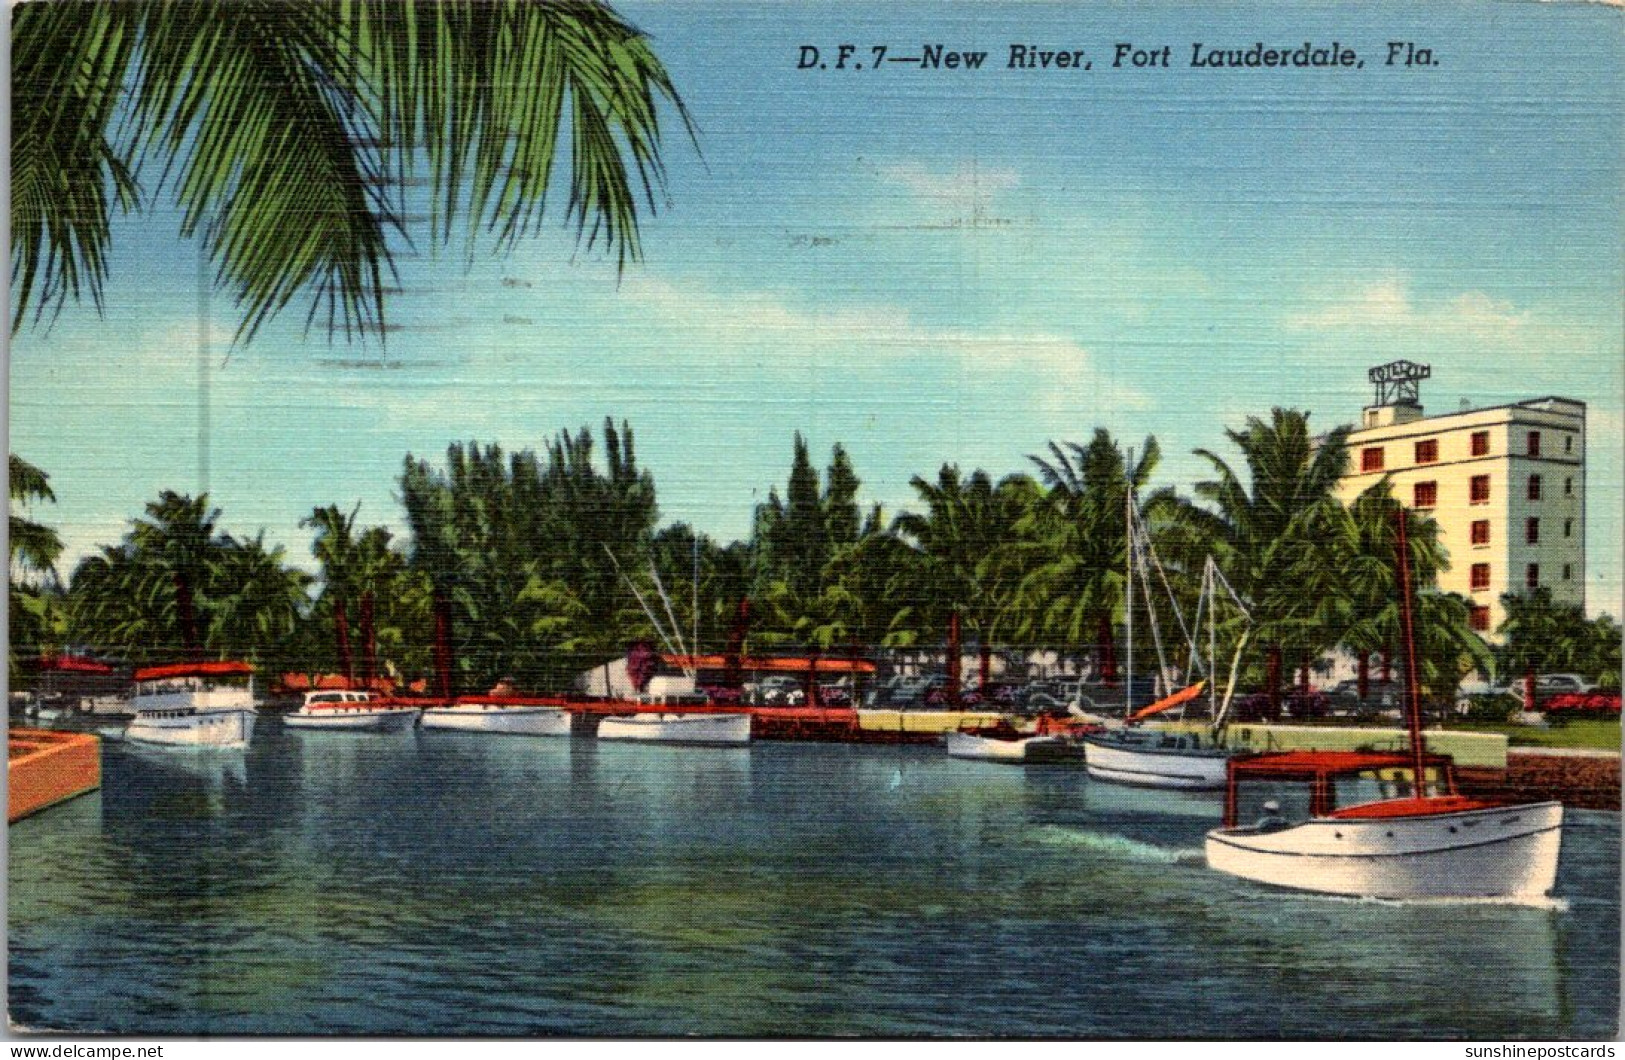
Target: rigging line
1194 663
676 628
1210 594
1162 575
1230 686
1151 614
1226 583
661 633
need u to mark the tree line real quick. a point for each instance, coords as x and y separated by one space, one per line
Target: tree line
535 566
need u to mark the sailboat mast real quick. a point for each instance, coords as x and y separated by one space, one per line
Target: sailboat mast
1413 697
1211 591
1128 584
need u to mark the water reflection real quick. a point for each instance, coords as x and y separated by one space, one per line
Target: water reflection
458 884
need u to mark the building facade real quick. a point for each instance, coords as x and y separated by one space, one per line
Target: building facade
1506 485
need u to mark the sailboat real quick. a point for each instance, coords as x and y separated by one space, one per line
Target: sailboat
653 719
1151 757
1430 844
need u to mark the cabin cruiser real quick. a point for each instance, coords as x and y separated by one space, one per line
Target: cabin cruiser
202 704
512 715
352 711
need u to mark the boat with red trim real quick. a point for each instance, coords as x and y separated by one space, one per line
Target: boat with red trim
510 715
194 704
352 712
1441 845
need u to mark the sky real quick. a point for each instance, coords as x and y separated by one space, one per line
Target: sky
929 267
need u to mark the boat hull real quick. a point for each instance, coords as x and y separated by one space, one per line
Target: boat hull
1193 770
512 721
212 728
720 730
1018 751
1495 852
355 721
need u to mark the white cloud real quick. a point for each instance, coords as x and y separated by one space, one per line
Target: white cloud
968 182
1389 305
740 324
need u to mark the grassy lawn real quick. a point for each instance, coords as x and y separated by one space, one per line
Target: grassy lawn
1591 733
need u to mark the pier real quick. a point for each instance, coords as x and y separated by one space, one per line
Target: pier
47 767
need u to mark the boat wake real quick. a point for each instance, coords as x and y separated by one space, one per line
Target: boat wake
1546 902
1119 846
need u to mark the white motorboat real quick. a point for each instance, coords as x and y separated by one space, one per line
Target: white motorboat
1016 748
1153 758
1432 844
203 704
353 712
1436 846
717 728
499 714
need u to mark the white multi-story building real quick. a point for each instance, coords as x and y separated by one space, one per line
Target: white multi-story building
1506 485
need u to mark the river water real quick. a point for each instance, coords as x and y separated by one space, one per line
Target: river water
446 884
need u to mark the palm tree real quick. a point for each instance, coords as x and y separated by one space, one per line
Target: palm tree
1540 635
258 602
177 582
966 570
1261 527
287 132
34 592
1357 568
1080 542
180 545
335 548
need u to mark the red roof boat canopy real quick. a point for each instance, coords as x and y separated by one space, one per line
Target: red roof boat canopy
775 664
1310 765
223 668
74 664
1320 768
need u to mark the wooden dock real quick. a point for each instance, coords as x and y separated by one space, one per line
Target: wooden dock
48 767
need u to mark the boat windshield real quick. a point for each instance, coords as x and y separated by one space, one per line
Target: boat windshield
1315 783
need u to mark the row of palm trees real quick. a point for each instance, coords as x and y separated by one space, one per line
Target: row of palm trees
536 567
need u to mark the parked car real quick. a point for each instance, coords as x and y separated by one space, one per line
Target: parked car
1556 684
1343 698
1098 697
776 690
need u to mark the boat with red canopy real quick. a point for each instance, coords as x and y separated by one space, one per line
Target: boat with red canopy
194 704
1436 845
1430 843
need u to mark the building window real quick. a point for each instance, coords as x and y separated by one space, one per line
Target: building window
1427 452
1534 487
1568 487
1371 458
1481 531
1568 527
1426 494
1534 443
1479 619
1478 489
1480 577
1568 572
1568 443
1531 577
1481 443
1531 531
